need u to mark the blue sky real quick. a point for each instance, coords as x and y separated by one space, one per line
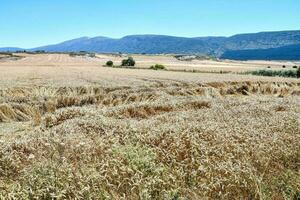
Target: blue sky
31 23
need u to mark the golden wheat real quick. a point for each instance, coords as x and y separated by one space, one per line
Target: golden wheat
229 140
71 129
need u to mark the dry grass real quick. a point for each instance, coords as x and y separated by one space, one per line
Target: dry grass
155 139
217 140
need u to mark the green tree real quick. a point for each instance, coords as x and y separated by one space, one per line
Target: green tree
298 72
130 62
110 63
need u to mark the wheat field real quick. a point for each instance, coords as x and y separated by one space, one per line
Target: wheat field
73 129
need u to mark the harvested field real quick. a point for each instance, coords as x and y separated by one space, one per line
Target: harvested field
145 61
72 129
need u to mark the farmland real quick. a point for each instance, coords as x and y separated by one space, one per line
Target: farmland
71 128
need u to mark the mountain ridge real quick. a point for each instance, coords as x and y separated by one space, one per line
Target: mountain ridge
290 52
160 44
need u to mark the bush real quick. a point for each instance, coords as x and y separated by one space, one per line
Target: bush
92 55
39 51
109 63
6 53
130 62
282 73
158 67
295 67
82 53
298 72
283 66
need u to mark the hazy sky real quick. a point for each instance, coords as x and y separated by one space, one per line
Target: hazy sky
31 23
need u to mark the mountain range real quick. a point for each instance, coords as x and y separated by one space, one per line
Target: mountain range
266 45
290 52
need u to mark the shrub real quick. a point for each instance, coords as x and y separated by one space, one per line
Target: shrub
21 51
298 72
109 63
82 53
295 67
283 66
130 62
6 53
282 73
39 51
158 67
92 55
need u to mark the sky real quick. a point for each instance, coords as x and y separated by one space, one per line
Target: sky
33 23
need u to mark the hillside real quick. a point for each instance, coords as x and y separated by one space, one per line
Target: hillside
290 52
263 40
152 44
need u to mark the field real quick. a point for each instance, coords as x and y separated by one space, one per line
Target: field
73 129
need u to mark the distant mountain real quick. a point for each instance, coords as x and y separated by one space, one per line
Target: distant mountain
290 52
151 44
158 44
79 44
263 40
4 49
